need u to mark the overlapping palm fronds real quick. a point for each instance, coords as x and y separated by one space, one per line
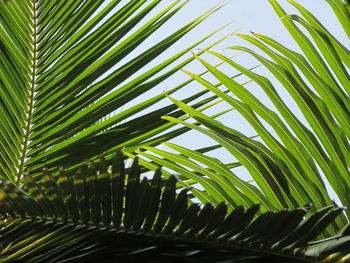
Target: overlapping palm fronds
59 85
102 214
292 163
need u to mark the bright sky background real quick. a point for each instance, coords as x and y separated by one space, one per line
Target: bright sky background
249 15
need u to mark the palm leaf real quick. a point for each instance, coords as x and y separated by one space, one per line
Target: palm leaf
294 164
66 77
108 213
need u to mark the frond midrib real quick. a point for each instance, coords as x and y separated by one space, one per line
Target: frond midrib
159 237
29 114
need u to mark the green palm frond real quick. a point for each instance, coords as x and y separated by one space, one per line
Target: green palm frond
104 214
292 162
66 75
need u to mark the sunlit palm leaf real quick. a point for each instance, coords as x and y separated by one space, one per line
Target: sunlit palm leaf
60 87
294 164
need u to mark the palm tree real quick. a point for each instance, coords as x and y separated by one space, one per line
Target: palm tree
60 91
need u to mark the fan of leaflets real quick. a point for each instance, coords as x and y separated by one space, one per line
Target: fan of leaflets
104 213
69 71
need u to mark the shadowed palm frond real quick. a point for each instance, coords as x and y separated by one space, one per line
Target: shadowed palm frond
113 214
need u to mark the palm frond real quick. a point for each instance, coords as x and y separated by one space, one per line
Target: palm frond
113 214
65 72
292 165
